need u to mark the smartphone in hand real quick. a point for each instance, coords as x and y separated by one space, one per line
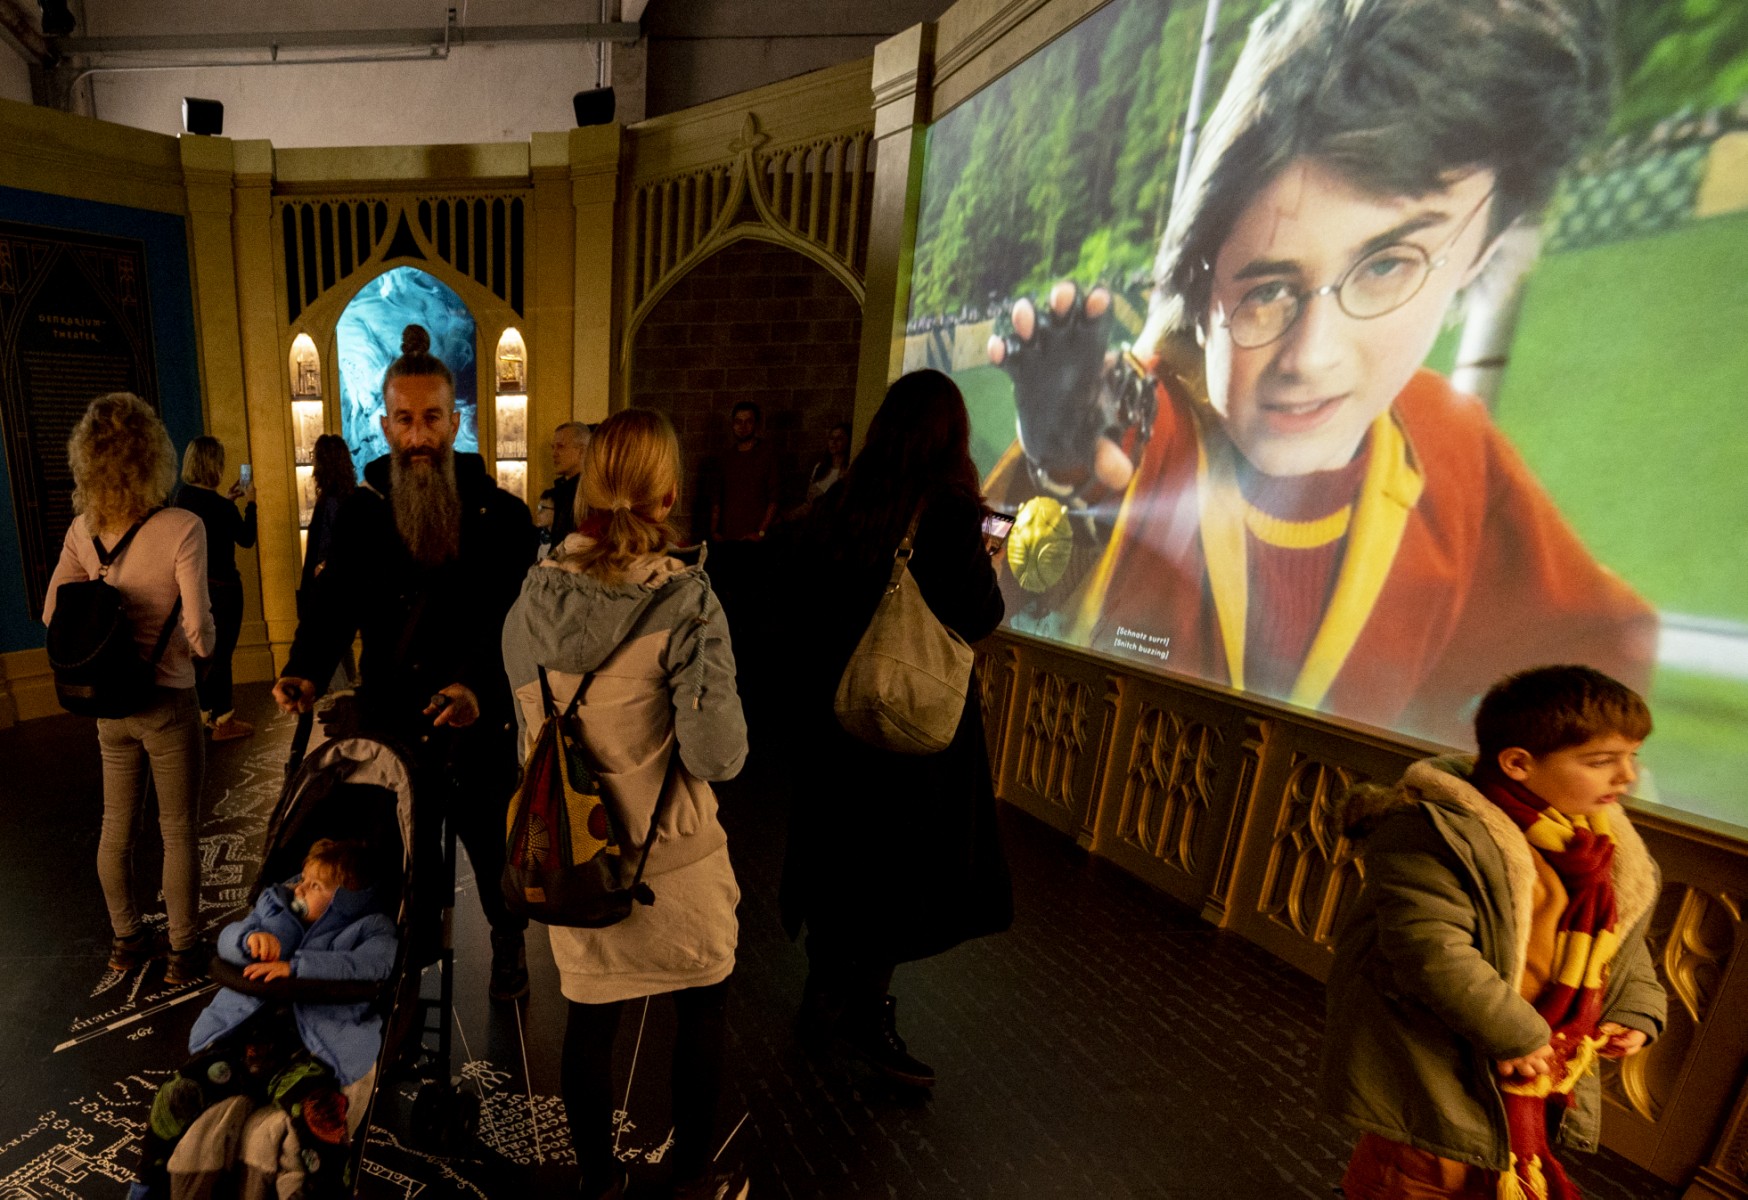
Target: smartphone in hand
996 527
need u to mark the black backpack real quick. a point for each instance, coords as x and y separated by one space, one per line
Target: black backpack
98 668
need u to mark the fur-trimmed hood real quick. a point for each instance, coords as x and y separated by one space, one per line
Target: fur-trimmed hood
1443 782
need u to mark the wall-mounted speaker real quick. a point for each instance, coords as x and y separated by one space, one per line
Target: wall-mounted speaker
595 106
202 116
57 19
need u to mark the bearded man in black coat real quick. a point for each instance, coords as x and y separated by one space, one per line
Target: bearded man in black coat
425 564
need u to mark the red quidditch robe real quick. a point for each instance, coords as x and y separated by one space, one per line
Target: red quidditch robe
1456 569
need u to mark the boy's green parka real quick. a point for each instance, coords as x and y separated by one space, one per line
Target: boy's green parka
1423 996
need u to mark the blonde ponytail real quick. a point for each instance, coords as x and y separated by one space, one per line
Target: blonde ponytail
630 477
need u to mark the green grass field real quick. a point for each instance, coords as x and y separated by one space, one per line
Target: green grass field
1627 394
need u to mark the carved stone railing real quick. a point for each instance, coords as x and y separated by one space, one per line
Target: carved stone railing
1230 804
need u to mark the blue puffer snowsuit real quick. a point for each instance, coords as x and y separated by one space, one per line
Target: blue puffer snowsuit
350 941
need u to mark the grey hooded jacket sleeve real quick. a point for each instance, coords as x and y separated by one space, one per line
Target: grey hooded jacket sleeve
708 720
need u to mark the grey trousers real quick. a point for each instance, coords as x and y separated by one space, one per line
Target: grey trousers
168 737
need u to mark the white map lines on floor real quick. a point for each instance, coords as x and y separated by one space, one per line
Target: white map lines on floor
82 1148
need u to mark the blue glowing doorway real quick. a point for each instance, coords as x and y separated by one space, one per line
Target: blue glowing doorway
368 339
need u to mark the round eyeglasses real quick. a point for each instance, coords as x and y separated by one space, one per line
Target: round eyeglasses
1380 282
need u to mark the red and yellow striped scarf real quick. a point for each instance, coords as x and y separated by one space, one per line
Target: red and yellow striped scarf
1580 849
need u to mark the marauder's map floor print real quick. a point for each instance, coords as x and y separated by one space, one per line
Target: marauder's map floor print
1072 1051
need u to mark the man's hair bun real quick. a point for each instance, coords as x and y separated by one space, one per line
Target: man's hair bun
415 340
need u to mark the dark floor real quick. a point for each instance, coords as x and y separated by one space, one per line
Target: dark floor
1111 1045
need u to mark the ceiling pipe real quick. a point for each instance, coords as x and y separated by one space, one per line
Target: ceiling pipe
451 34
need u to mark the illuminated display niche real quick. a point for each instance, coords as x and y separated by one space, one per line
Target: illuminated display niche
307 421
512 414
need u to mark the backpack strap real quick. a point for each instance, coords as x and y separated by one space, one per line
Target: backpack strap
550 706
655 822
164 633
106 558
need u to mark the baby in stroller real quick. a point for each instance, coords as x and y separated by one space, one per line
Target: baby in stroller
271 1081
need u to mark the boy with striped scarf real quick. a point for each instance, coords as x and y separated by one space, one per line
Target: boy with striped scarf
1497 949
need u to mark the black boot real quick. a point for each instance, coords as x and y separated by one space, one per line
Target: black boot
821 1011
509 966
872 1036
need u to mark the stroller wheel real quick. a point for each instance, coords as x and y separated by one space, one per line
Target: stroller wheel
444 1119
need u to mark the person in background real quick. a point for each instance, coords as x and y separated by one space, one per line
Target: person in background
123 468
203 467
746 502
832 464
424 564
618 612
336 478
555 516
1496 949
825 472
903 862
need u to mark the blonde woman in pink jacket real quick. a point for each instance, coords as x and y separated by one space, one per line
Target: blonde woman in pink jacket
123 469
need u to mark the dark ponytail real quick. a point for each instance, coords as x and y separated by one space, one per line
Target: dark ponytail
416 359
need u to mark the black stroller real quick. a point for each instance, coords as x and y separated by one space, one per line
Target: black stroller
361 788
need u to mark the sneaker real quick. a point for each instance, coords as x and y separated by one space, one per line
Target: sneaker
129 952
715 1185
187 966
509 967
873 1038
228 729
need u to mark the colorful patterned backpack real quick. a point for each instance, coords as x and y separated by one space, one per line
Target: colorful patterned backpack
566 861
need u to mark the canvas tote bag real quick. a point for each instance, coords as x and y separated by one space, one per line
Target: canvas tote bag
904 687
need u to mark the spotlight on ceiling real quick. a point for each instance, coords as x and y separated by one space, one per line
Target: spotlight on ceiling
595 106
57 19
202 116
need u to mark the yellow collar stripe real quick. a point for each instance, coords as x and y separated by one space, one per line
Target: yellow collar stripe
1297 535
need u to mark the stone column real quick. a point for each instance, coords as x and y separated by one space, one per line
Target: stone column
595 154
267 392
208 172
902 100
551 307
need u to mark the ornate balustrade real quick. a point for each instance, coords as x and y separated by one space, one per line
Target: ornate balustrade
1230 804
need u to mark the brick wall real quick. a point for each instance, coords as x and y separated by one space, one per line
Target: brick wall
751 322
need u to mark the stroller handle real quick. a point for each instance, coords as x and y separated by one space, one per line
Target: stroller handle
293 989
300 742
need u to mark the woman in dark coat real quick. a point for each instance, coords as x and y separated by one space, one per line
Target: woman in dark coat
335 478
203 468
891 857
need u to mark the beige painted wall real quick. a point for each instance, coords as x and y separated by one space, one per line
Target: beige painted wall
14 75
480 94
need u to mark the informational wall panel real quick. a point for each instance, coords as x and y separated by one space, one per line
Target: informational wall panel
75 323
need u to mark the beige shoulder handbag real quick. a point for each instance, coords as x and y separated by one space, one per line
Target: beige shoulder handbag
904 687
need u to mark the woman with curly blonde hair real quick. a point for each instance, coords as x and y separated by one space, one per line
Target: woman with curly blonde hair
631 622
123 468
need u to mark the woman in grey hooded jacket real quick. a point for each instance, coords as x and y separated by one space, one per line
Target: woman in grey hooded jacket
618 611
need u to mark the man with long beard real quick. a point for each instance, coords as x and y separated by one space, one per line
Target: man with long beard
425 562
